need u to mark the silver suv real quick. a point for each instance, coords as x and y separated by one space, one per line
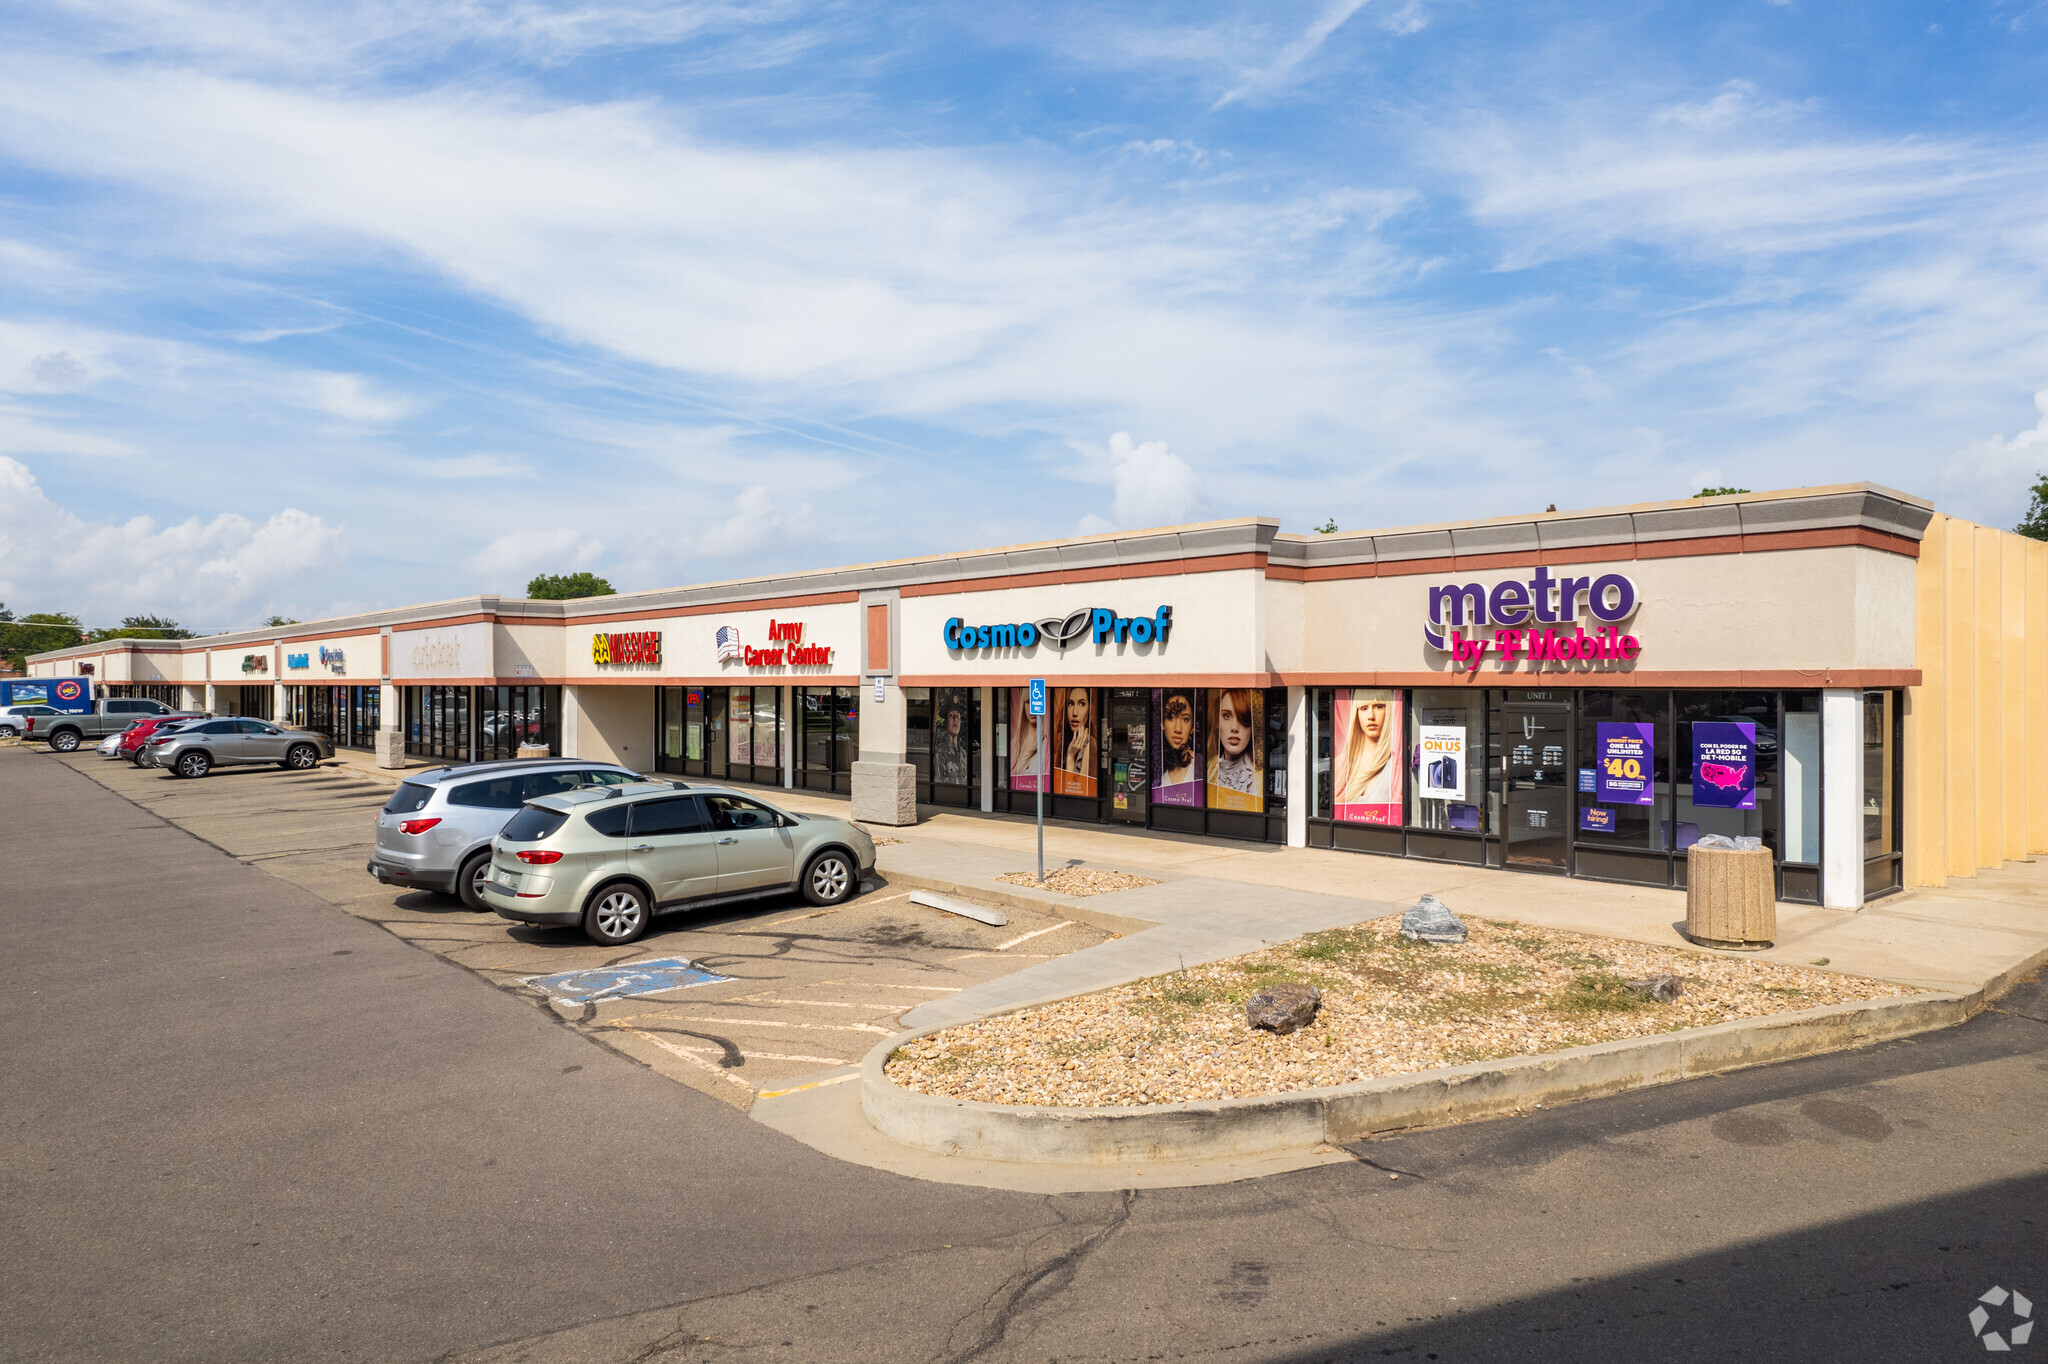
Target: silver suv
195 749
435 832
609 861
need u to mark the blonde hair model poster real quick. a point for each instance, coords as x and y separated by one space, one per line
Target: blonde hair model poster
1026 731
1366 773
1073 753
1177 748
1237 749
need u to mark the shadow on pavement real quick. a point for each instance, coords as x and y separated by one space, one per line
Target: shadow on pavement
1893 1286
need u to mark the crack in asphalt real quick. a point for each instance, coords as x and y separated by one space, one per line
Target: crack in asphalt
1034 1288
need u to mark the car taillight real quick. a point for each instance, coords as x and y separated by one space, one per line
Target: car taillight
29 724
539 857
417 826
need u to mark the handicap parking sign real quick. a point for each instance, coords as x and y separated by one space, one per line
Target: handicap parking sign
1038 696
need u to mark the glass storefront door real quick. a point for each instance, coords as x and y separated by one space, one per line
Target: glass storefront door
1130 770
714 731
1535 744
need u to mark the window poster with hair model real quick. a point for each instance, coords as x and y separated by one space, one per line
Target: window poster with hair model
1074 741
1026 734
1177 753
1366 769
1237 750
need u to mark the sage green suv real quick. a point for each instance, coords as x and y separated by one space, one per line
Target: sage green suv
610 859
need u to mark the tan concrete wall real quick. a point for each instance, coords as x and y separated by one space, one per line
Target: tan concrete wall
616 724
1837 607
539 647
1215 630
1977 726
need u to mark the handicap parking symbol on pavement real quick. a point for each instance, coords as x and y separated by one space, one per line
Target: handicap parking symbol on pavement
622 982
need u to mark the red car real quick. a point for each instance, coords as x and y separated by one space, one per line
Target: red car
140 733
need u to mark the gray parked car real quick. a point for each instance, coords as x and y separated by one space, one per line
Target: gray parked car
196 748
435 832
609 861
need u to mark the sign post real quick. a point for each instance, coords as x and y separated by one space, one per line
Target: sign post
1038 712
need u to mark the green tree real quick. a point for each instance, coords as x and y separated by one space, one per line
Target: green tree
279 620
37 632
1328 527
1718 492
2035 524
568 586
145 627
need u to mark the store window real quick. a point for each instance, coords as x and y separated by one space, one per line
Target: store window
1623 783
510 718
437 721
1882 843
1725 767
827 735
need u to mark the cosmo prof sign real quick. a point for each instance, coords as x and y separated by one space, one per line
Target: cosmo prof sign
1538 618
1100 624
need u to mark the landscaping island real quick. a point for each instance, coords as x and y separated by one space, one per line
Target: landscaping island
1390 1006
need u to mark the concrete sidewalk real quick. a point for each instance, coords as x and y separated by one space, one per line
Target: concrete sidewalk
1220 899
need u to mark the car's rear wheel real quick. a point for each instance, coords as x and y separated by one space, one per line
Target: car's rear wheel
830 879
301 758
617 915
196 763
65 741
469 882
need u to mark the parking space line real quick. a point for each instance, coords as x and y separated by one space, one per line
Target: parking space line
774 1023
1035 933
815 1084
774 1056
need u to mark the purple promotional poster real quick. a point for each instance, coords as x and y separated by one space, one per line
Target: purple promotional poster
1625 767
1724 764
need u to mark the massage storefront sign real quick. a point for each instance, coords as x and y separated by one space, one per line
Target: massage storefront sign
1540 618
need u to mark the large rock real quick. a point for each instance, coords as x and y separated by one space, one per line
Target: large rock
1662 987
1284 1007
1430 920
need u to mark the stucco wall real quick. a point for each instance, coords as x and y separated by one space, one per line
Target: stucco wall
1215 631
616 724
362 660
1841 607
1976 736
689 647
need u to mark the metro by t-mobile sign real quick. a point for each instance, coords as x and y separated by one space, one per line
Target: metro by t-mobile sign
1535 617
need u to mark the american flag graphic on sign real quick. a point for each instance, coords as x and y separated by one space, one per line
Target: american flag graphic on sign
728 642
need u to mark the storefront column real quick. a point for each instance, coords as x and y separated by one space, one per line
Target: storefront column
212 699
792 735
1298 774
884 782
1841 794
572 720
278 698
390 727
988 748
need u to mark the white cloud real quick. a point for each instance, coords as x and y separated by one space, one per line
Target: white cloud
754 523
22 433
211 574
470 466
1988 480
1154 486
507 563
1281 69
353 398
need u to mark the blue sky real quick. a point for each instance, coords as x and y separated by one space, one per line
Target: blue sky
313 308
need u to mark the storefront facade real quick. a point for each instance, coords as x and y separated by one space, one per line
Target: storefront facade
1573 694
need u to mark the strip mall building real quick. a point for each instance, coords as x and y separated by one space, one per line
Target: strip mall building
1841 672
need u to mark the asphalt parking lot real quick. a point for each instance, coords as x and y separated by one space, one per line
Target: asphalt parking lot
800 992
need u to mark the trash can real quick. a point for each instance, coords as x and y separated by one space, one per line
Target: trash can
1730 897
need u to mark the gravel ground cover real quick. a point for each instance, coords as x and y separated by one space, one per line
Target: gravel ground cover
1078 881
1390 1007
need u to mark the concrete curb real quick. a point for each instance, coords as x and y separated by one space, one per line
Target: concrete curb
1018 897
1342 1113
